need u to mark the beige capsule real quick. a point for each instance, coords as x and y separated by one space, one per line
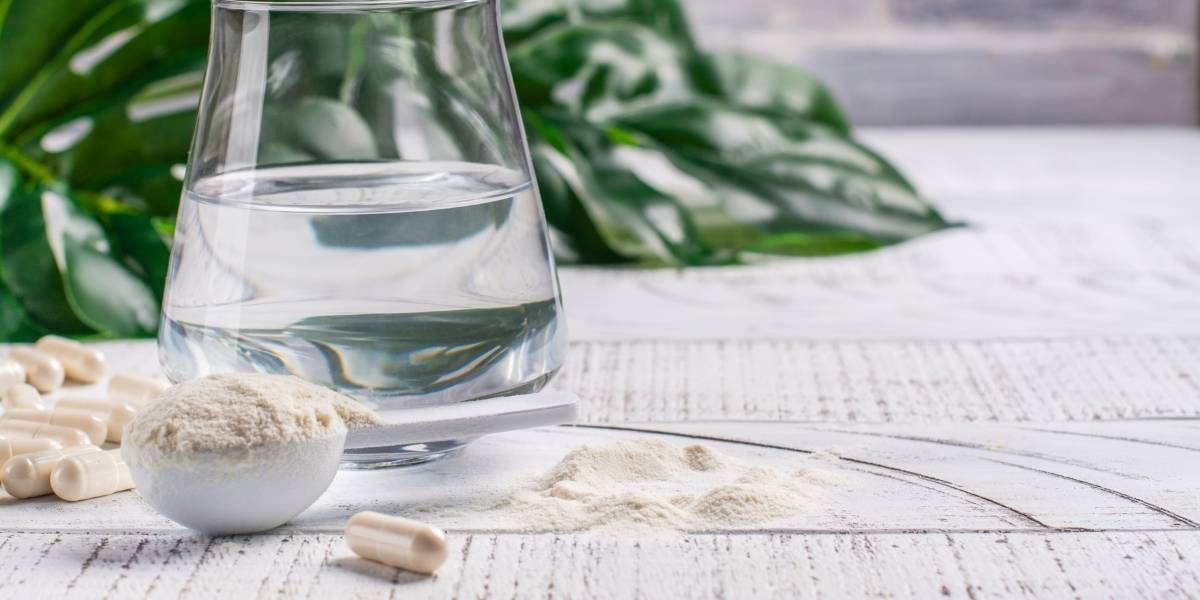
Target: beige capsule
80 362
28 475
10 447
11 373
116 414
22 395
397 541
67 436
42 371
90 423
135 389
90 475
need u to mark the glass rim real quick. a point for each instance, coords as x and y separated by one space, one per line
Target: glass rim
337 5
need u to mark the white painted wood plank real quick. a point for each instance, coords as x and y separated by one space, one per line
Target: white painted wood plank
950 329
956 565
882 381
999 281
1075 233
1016 175
1184 434
866 381
965 477
1049 477
457 492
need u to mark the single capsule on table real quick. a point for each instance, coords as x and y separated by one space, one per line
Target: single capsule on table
90 475
116 414
80 362
66 436
42 371
28 475
90 423
22 395
135 389
10 447
397 541
11 373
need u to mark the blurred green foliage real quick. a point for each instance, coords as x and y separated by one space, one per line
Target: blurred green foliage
664 155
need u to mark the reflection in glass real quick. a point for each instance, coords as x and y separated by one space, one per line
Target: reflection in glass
359 210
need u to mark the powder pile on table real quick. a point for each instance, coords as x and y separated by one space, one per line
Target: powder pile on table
645 485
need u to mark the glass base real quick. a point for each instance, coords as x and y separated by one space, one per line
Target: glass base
404 455
386 457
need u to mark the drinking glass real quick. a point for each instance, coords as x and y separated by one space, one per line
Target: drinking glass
359 210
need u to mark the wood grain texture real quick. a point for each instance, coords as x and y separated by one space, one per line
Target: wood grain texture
861 381
1008 410
902 565
930 381
859 478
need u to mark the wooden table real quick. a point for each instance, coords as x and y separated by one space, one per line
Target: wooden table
1011 409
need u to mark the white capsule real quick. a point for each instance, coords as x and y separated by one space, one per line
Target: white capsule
90 475
80 362
11 373
16 446
135 389
90 423
42 371
116 414
22 395
28 475
67 436
397 541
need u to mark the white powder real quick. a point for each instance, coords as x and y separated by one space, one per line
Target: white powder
640 486
241 411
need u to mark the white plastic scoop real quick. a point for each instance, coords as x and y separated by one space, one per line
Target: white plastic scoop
260 488
466 420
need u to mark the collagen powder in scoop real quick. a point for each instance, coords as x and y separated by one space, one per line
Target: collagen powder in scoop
239 453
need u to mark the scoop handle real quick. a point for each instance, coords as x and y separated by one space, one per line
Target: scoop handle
466 420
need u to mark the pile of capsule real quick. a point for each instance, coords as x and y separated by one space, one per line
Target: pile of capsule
59 450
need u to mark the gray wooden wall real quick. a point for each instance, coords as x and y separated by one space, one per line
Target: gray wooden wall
962 62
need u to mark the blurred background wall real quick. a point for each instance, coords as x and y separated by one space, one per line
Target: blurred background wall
961 62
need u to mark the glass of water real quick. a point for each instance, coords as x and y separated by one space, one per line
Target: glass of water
359 210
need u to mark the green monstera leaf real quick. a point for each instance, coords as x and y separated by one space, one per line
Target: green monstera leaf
97 102
647 150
